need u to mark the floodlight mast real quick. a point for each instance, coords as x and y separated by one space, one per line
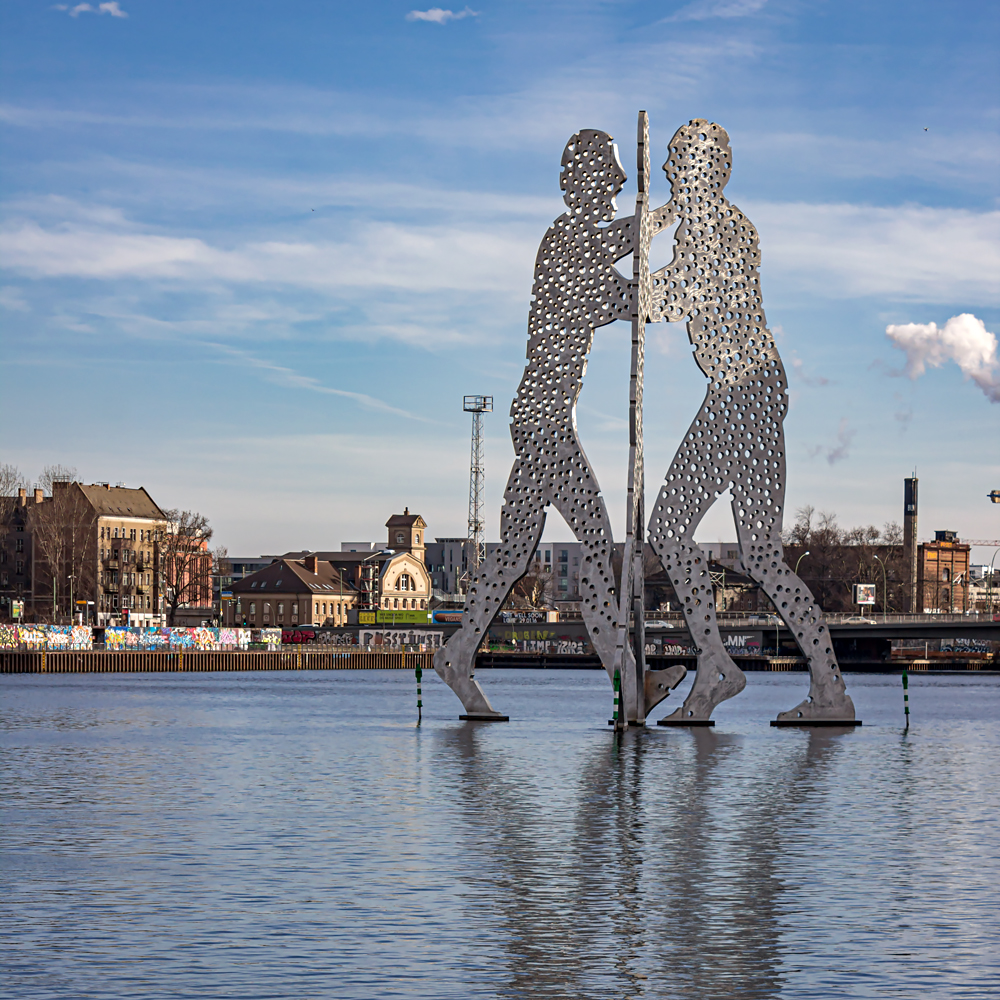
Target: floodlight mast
477 406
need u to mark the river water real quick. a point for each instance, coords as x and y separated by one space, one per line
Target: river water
296 835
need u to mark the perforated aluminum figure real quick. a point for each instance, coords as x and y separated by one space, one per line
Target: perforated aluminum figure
736 440
576 289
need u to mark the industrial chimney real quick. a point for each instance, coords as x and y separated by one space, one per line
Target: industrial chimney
910 541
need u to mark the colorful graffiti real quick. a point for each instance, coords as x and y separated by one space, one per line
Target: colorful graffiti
46 637
82 637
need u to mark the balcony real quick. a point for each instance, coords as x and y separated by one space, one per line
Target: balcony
111 588
111 563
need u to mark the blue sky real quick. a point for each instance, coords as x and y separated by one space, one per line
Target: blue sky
254 253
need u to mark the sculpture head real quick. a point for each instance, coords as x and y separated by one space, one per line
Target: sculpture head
699 160
592 175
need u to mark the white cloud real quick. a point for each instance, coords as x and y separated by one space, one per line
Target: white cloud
703 10
85 8
964 339
438 16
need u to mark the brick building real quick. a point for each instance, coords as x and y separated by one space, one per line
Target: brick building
943 574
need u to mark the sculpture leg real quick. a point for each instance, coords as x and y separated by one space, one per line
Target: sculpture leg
692 485
758 524
522 519
578 499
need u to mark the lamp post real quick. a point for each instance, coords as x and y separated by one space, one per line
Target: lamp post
797 561
885 589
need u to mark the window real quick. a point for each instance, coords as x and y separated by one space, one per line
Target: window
400 538
563 556
19 545
19 567
945 573
403 583
395 603
295 609
423 605
116 532
131 534
253 608
548 555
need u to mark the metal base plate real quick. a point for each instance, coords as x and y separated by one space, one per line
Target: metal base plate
685 722
842 723
484 718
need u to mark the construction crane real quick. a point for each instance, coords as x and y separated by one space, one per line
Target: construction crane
477 406
981 541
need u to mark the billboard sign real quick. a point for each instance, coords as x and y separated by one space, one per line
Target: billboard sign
864 593
408 617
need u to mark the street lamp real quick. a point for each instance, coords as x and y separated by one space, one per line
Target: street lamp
885 589
797 561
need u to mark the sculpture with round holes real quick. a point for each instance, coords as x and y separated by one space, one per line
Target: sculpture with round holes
576 289
736 440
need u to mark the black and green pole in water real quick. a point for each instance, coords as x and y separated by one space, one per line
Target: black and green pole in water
906 695
618 716
420 704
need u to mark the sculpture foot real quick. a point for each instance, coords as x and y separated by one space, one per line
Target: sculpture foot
713 685
467 688
830 711
659 684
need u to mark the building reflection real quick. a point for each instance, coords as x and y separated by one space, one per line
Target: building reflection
655 869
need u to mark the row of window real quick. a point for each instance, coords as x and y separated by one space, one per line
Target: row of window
412 603
126 555
134 602
144 534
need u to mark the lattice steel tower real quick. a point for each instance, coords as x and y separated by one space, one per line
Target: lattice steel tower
477 406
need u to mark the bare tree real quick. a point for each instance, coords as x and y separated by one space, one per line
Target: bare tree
533 591
185 562
63 529
832 559
53 474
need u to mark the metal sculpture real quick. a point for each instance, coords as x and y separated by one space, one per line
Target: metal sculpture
576 290
735 441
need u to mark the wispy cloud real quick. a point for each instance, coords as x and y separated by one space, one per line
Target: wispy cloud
841 450
438 16
418 259
803 376
280 375
85 8
12 299
704 10
964 339
908 252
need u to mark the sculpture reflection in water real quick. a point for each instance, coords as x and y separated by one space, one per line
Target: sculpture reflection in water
735 441
591 886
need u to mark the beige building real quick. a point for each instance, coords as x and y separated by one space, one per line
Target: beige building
128 533
319 588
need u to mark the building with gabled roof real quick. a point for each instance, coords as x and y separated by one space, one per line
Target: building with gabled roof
320 588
